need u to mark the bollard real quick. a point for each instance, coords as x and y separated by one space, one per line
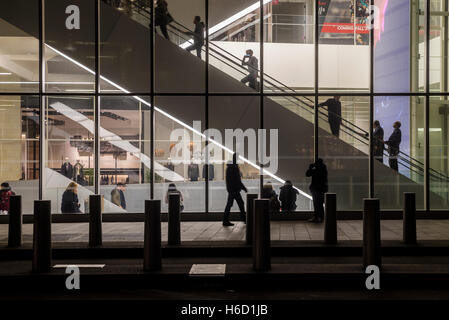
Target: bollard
174 220
409 218
95 220
152 256
330 219
261 236
42 236
15 222
250 217
371 233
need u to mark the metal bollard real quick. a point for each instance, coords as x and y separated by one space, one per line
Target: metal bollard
15 222
95 221
174 220
42 236
250 217
330 219
409 218
152 255
261 236
371 233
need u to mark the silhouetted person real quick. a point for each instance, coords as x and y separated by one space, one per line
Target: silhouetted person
393 146
253 65
287 196
270 194
378 142
70 202
118 195
173 190
234 185
198 36
318 188
162 17
334 114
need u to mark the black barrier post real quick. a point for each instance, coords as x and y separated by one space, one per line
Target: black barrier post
250 217
42 236
152 256
174 219
261 236
371 233
409 218
95 220
330 219
15 222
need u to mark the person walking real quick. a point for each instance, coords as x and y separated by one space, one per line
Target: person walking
393 144
118 195
162 17
287 196
253 65
378 142
318 187
198 36
334 114
70 202
5 196
234 185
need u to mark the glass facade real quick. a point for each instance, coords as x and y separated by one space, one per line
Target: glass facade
90 94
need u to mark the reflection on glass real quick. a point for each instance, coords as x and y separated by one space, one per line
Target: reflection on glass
19 148
69 153
125 152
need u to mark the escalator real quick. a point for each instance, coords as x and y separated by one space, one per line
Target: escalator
179 71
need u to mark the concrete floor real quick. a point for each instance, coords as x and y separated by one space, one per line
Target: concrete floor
214 231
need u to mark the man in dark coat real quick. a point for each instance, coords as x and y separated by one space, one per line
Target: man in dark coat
162 17
334 114
198 37
378 143
393 146
234 185
253 66
318 187
288 196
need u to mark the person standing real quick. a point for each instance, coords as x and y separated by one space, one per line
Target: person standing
253 65
378 142
118 195
70 202
173 190
234 185
162 17
5 196
318 187
198 37
334 114
393 144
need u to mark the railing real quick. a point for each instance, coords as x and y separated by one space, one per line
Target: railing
227 60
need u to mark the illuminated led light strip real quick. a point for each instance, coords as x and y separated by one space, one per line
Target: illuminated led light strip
5 73
230 20
265 172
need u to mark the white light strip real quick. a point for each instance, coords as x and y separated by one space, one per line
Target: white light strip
230 20
265 172
5 73
58 266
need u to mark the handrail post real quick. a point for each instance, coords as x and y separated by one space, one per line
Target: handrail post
371 233
330 219
174 219
42 236
261 237
250 197
95 221
15 222
152 257
409 218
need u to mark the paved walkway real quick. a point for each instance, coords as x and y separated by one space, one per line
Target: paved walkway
214 231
